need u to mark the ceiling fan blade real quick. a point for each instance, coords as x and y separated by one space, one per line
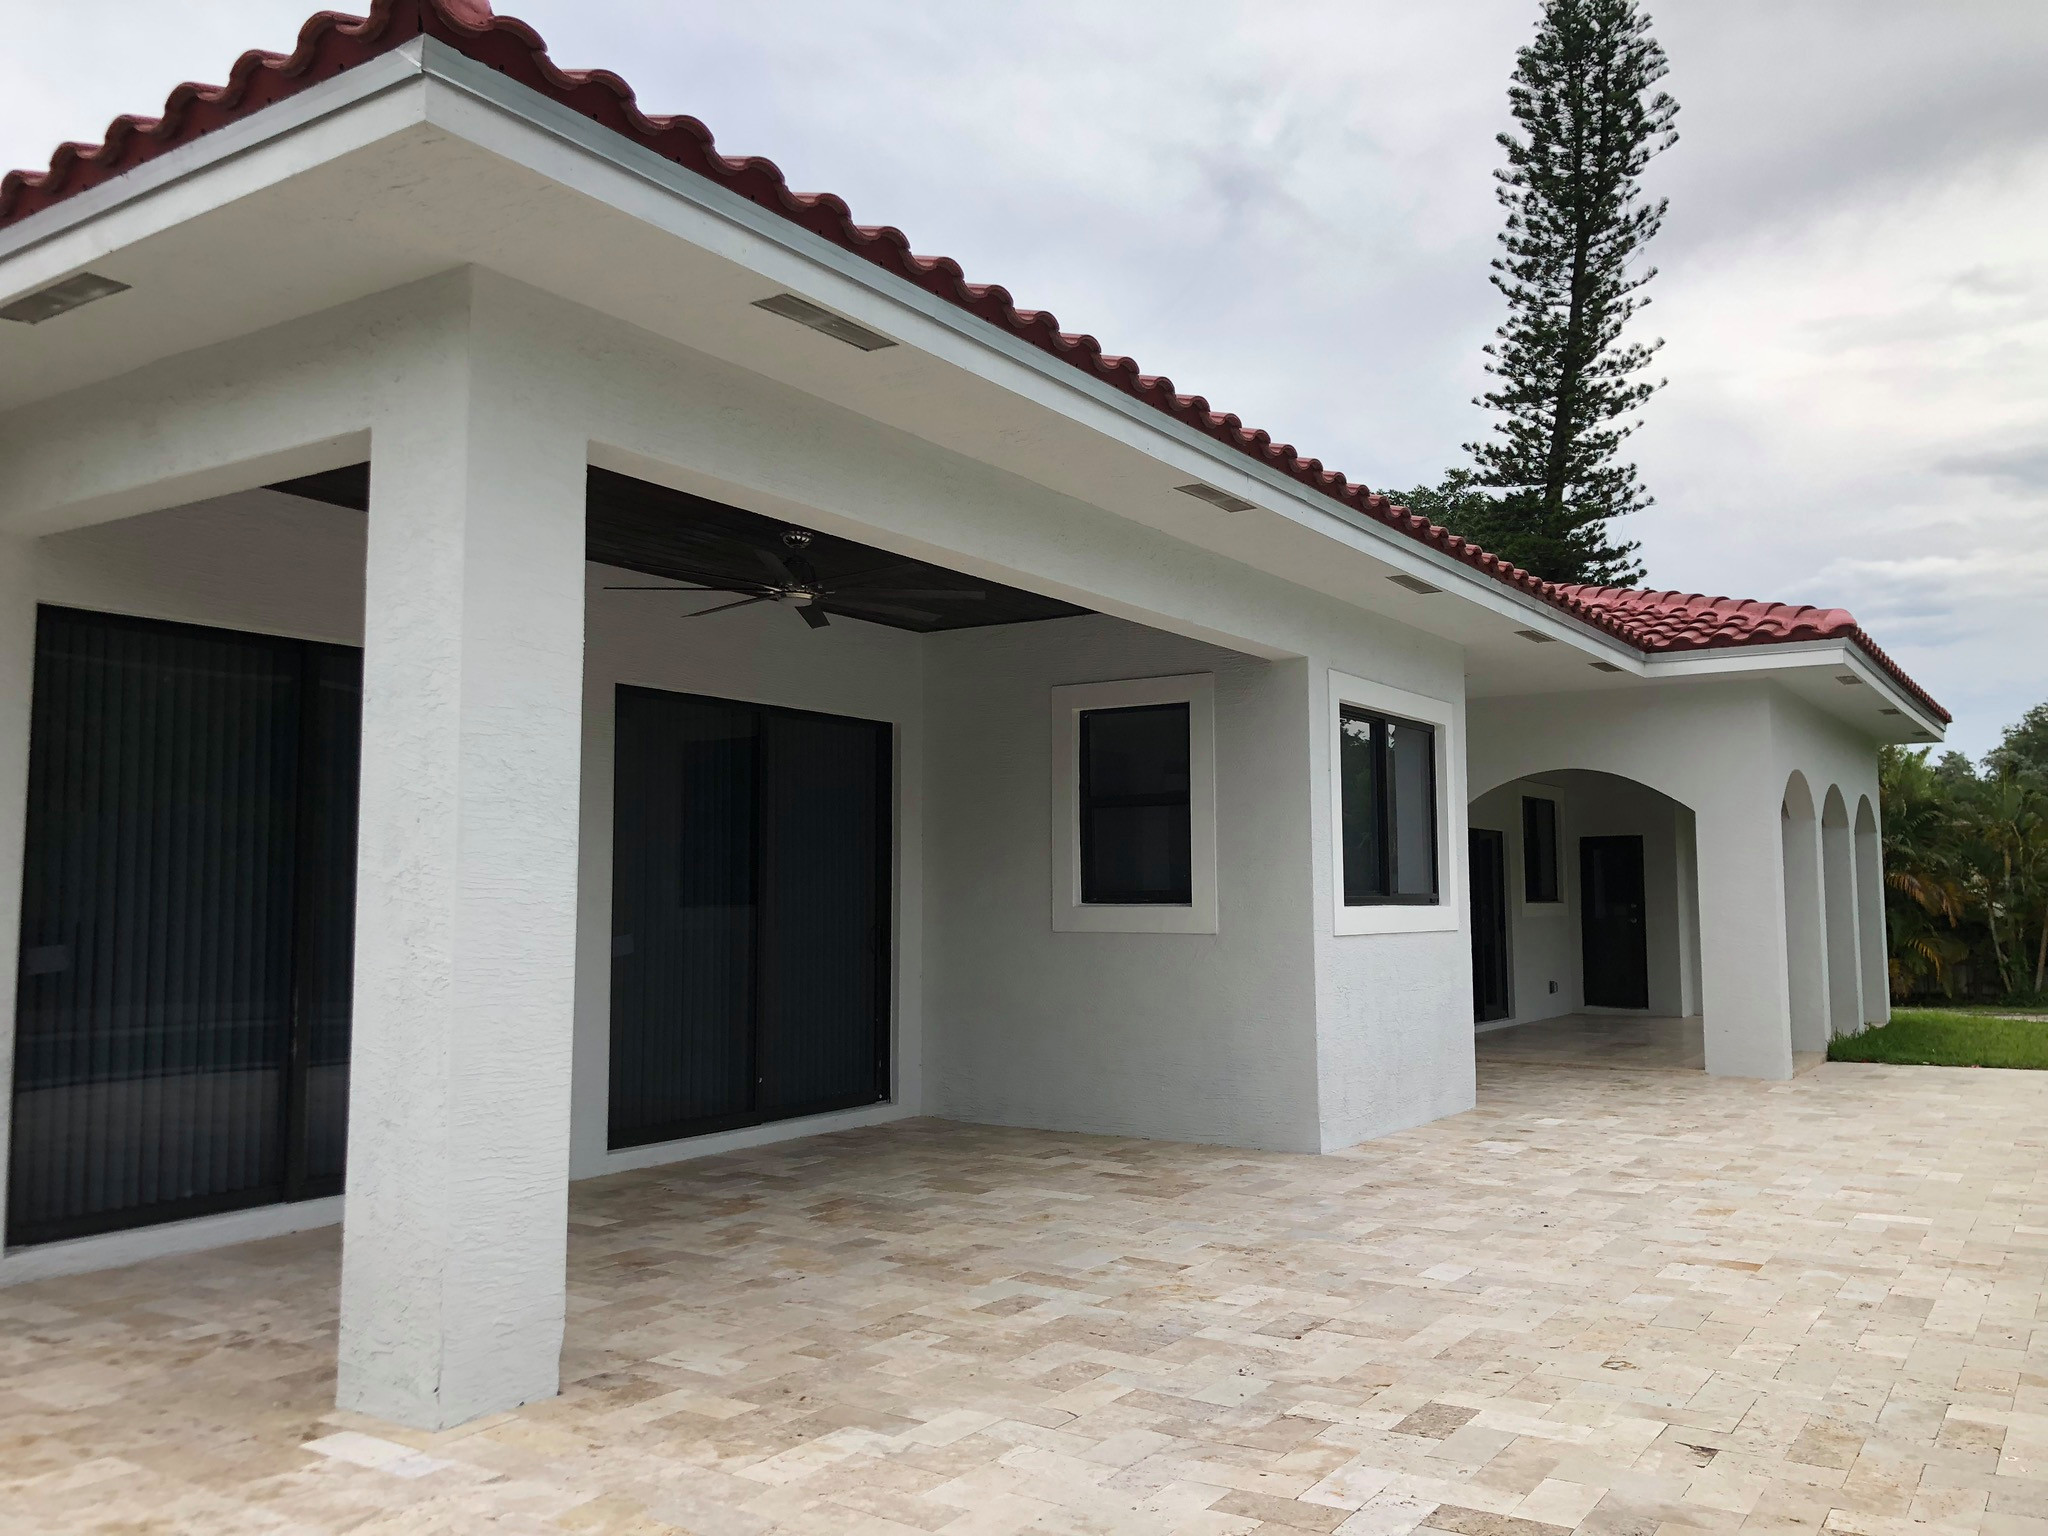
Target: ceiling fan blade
813 615
894 610
777 564
744 602
702 586
918 594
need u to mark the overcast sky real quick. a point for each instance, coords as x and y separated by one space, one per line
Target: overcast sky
1287 207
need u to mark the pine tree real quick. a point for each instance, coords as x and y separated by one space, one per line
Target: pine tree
1547 483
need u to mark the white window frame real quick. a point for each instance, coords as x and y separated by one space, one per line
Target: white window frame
1069 913
1447 914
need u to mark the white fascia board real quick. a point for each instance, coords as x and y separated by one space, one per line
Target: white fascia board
1831 655
788 254
293 135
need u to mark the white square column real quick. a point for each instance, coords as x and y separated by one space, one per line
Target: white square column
455 1224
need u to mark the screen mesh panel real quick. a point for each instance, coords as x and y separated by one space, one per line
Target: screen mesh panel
750 934
162 920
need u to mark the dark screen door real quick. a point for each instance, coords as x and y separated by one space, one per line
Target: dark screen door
1489 861
1611 922
188 909
750 915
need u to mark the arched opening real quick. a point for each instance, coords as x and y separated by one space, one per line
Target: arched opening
1805 945
1838 914
1585 922
1877 1002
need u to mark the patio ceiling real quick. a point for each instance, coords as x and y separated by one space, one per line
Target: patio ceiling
636 525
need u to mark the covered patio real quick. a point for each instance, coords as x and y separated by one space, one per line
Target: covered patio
1609 1303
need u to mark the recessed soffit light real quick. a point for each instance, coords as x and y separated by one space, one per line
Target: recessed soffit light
1848 679
1537 637
1414 584
60 298
1888 710
1604 666
823 321
1220 499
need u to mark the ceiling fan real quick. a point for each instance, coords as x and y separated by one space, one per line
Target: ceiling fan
796 580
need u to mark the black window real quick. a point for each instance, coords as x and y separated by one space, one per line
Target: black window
1539 849
1136 825
1387 769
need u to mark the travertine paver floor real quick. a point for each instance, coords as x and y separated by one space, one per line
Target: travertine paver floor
1617 1302
1600 1040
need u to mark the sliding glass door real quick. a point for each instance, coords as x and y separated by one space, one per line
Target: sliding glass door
750 915
188 904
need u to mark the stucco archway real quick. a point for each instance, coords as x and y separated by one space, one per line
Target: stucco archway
1838 915
1805 943
1595 893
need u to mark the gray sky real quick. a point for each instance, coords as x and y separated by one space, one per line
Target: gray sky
1287 207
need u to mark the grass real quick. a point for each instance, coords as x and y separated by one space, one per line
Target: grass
1948 1037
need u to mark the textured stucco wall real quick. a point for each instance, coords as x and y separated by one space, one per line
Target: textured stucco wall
1196 1037
1394 1010
1725 750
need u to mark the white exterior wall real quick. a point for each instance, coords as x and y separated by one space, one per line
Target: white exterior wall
764 655
277 564
1725 750
1544 938
1394 1010
1187 1036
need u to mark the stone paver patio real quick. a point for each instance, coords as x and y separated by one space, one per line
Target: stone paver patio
1609 1301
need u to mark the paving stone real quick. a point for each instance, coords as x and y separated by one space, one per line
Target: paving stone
1623 1302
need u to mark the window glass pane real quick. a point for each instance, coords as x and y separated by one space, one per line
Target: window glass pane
1358 776
1411 753
1140 855
1539 849
1135 824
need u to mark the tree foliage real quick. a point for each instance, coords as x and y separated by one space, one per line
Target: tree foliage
1966 865
1544 487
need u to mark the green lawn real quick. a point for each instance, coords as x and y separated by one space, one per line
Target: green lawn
1944 1037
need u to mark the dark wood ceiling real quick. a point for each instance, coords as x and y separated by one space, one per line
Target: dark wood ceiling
639 526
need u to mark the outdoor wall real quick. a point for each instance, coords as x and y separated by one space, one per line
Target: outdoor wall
278 564
764 655
1828 755
1724 750
1544 939
1394 1010
1196 1037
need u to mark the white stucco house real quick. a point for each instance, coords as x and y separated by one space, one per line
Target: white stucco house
378 789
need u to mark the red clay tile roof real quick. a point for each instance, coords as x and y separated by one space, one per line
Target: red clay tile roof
330 43
1689 621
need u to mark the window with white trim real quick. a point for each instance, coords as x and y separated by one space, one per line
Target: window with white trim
1134 815
1397 809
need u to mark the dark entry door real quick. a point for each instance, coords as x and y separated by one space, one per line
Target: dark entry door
188 910
1489 861
1611 922
750 915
